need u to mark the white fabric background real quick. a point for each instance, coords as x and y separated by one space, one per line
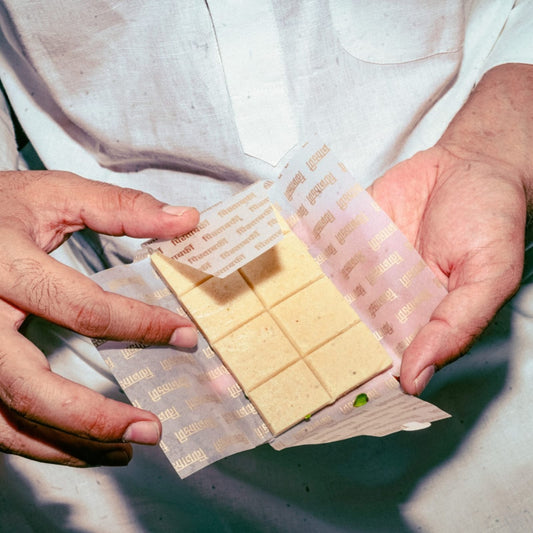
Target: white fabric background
139 93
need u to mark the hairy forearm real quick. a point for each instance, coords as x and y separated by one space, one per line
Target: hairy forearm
497 122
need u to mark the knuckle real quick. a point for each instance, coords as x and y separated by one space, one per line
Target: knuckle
92 317
124 319
129 198
98 423
143 322
154 326
123 198
18 395
122 201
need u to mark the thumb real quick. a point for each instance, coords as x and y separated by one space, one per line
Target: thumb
123 211
455 324
75 202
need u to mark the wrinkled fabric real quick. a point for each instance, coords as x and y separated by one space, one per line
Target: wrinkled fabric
191 101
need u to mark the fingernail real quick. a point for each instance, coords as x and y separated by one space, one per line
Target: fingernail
423 379
117 457
176 210
144 432
184 337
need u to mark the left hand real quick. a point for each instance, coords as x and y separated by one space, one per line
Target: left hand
466 216
44 416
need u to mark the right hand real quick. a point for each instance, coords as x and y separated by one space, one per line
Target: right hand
42 415
466 217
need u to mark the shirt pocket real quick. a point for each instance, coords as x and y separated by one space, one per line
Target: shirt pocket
392 31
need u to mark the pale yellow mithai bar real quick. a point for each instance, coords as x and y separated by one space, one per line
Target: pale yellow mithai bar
282 329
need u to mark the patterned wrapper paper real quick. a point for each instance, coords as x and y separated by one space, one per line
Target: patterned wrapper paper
204 413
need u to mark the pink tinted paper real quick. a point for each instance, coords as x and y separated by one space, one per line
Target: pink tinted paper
204 413
358 246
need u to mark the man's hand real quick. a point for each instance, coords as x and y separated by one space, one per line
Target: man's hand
42 415
463 205
466 218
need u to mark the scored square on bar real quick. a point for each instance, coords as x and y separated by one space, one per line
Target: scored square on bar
256 351
282 270
291 395
221 305
314 315
347 361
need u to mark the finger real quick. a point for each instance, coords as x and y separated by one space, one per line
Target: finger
36 283
22 437
120 211
29 389
479 283
61 203
455 324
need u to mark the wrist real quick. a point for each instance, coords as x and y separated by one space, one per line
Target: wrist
496 123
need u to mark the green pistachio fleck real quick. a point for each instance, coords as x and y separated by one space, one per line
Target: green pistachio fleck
307 417
360 400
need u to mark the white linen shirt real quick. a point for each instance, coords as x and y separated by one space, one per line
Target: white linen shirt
192 100
127 90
